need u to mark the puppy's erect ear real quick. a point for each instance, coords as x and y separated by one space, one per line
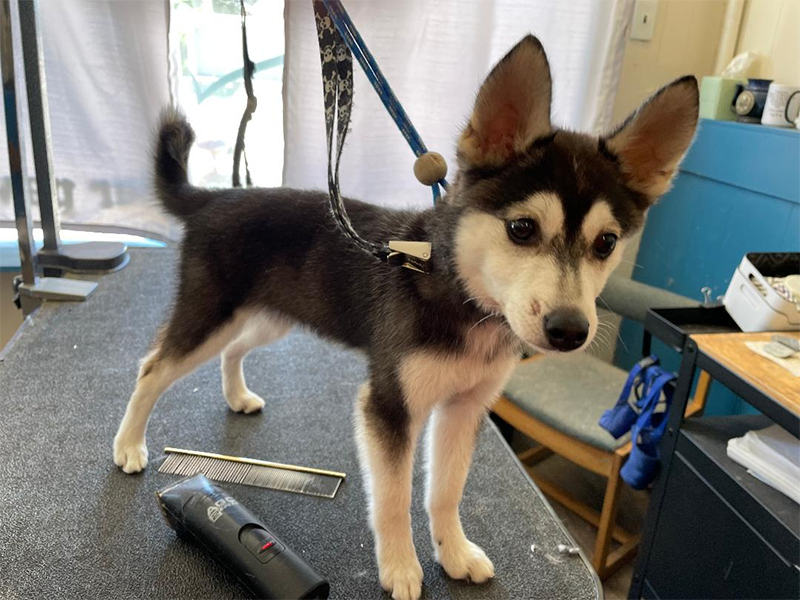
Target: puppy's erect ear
512 108
651 143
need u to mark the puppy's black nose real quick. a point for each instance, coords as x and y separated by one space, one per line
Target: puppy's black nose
566 329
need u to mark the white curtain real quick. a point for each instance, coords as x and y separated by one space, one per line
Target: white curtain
107 78
106 69
435 54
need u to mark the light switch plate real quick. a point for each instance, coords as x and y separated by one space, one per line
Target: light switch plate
644 20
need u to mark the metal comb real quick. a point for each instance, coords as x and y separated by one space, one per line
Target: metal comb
249 471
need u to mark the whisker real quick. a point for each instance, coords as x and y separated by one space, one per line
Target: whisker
598 343
489 316
624 345
604 302
604 329
474 298
601 337
630 262
609 329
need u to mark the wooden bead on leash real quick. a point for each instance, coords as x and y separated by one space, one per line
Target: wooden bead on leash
430 168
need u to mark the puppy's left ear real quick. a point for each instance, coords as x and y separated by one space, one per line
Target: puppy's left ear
512 108
651 143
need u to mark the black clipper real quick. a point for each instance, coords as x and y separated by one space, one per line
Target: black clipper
205 513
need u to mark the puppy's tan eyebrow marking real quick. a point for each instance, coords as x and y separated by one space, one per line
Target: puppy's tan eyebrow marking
599 220
546 208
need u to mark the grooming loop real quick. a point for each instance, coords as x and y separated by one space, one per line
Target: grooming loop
339 40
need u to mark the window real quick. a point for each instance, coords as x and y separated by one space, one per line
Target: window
206 69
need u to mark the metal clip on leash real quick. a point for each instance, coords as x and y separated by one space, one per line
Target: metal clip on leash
337 38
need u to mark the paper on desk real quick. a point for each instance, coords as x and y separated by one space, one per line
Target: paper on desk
772 455
791 364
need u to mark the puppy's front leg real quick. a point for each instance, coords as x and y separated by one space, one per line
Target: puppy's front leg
454 427
386 434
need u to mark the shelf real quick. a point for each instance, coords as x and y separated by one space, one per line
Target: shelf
673 325
776 517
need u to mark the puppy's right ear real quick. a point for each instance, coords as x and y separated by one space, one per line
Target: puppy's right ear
512 108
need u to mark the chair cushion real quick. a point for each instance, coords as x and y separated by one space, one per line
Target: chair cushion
569 393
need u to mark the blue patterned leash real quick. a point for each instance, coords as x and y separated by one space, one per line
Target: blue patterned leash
337 89
358 48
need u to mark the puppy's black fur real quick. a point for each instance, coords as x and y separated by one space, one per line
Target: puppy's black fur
278 249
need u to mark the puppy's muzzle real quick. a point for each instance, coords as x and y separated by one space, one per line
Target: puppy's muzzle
566 329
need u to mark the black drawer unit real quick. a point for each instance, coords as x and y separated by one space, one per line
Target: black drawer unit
721 532
713 530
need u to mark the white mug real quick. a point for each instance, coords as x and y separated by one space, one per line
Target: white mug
782 106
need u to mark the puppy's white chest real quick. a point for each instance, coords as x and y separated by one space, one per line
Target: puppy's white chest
430 377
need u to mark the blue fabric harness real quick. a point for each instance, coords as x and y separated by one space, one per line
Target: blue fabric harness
636 411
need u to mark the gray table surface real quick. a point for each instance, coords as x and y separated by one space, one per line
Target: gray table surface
73 526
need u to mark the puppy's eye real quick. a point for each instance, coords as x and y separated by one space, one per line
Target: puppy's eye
522 231
604 245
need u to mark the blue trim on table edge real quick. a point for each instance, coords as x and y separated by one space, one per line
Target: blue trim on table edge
9 251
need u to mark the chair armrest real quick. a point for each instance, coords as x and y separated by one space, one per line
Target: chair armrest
631 299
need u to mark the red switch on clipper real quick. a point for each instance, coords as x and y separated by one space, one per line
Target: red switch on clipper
260 542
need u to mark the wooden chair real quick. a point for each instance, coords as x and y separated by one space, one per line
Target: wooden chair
558 400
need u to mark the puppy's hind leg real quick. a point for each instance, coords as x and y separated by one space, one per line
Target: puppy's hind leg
260 330
176 354
386 435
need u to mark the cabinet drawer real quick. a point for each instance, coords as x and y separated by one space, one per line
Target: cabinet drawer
703 548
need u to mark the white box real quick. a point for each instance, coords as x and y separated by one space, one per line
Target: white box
753 303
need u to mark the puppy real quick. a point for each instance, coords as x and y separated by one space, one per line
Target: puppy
535 221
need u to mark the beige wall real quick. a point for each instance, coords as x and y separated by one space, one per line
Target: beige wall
771 28
685 42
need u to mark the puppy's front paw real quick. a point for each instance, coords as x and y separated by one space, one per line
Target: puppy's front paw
401 576
131 457
246 402
462 559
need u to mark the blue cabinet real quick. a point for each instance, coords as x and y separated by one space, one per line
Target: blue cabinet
738 191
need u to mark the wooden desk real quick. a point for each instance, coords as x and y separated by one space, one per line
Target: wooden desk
729 350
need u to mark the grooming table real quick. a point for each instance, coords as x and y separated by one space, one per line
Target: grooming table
72 525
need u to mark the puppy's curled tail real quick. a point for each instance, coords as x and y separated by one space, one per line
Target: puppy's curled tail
175 139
